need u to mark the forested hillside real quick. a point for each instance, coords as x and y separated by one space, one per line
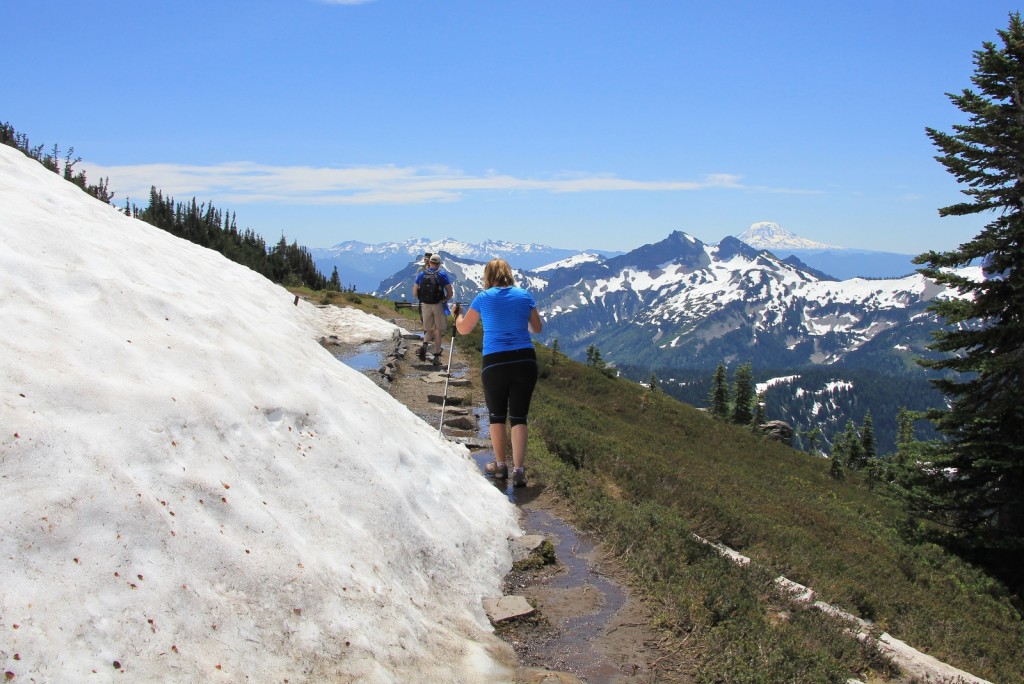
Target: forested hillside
817 397
204 224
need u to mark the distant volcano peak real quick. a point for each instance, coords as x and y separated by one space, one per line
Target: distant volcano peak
771 236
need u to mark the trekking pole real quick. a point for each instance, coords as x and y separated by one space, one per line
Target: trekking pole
448 373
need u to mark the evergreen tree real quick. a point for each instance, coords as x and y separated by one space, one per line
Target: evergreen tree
653 383
905 439
840 450
743 395
594 359
759 415
812 440
902 468
904 427
867 438
982 345
869 450
554 352
835 468
718 400
854 451
335 282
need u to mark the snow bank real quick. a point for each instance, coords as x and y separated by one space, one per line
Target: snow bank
195 490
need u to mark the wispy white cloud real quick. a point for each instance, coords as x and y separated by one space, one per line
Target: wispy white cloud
247 182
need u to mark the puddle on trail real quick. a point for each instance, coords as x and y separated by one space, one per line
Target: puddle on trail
365 357
369 357
570 650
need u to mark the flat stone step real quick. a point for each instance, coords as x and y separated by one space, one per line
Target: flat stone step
452 400
472 442
461 422
538 675
506 608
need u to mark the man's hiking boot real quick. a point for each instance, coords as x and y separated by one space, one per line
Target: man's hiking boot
437 359
518 477
422 353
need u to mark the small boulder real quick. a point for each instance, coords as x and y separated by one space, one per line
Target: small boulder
778 430
523 546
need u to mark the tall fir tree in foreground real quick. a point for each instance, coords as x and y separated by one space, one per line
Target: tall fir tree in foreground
975 483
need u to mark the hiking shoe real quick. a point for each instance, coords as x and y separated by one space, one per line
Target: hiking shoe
437 359
422 353
496 470
518 477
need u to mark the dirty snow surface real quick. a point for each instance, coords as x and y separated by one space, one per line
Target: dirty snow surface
195 490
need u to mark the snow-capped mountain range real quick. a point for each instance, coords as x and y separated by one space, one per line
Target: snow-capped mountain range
366 265
681 303
680 307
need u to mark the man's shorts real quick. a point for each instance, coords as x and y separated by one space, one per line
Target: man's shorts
433 316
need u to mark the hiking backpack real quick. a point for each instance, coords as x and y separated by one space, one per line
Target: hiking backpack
431 290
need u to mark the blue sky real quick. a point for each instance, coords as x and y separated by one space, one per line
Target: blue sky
571 123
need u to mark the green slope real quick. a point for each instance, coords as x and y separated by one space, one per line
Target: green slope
644 471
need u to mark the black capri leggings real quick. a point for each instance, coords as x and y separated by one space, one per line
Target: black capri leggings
509 378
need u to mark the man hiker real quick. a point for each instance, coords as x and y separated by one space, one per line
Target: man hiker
433 288
423 267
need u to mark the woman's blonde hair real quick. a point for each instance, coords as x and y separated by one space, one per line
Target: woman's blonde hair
498 273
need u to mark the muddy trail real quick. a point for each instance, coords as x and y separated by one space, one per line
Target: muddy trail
588 626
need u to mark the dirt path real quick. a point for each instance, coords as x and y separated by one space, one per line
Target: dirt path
587 622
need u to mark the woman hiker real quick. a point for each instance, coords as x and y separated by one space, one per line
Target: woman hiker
509 373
